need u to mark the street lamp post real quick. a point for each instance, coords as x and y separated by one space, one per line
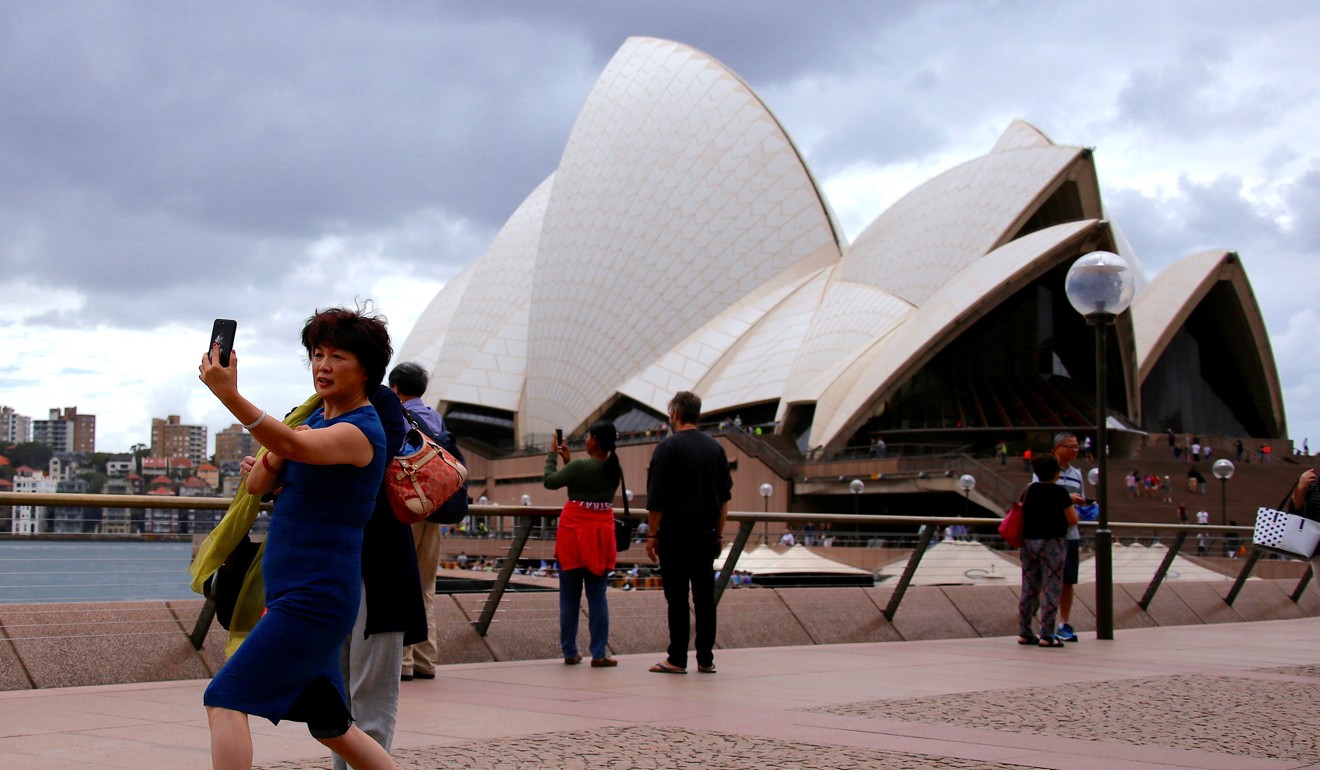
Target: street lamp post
856 486
766 491
1223 470
1100 287
526 501
968 482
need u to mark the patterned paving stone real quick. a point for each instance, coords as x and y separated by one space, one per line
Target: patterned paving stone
1219 714
1293 670
652 748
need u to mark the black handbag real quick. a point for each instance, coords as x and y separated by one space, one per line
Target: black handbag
624 526
224 584
623 532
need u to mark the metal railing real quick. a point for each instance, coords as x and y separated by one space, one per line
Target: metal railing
922 529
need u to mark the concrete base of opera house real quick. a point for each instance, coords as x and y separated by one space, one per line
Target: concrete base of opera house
67 645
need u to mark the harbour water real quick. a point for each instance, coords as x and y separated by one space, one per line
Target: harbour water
45 572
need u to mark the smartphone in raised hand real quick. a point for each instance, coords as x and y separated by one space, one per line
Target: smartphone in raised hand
222 334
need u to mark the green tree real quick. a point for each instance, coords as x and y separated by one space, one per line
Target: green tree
95 480
99 459
139 451
33 455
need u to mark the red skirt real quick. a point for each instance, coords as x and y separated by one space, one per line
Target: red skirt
585 537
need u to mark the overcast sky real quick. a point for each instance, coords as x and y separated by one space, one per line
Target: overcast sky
163 163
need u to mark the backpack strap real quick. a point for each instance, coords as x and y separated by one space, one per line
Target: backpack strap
417 423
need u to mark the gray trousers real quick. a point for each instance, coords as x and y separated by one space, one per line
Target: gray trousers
371 674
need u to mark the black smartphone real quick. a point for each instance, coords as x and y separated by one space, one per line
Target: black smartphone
222 334
559 436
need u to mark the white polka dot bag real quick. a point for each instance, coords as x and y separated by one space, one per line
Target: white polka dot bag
1286 533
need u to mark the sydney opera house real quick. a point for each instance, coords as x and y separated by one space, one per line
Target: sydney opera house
683 243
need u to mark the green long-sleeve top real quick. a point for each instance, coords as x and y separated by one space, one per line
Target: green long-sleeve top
586 479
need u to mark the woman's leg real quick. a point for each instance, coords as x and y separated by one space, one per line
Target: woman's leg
360 750
1052 558
598 615
231 739
1029 598
570 610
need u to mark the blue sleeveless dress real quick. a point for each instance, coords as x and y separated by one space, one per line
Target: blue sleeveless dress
313 572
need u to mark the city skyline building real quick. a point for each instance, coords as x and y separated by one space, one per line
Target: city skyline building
15 428
66 431
231 445
170 438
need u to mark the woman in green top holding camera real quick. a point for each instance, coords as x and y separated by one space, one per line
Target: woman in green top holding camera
584 540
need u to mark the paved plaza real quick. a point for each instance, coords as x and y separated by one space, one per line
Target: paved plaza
1235 695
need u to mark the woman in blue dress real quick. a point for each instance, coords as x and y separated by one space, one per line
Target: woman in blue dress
330 469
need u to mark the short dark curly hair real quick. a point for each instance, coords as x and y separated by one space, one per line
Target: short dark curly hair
359 331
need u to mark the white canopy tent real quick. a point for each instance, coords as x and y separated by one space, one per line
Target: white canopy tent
1137 564
749 561
958 562
798 565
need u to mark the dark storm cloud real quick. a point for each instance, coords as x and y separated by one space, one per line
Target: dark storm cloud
280 121
764 42
159 148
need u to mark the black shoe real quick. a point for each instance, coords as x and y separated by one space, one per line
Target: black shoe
405 677
422 675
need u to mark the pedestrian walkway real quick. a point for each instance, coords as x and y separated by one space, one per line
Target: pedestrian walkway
1234 695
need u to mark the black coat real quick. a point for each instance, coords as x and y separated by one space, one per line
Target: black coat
389 559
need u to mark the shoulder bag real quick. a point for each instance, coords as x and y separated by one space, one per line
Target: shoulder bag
419 482
1011 527
625 525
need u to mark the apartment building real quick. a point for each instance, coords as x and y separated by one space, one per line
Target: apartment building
171 438
66 431
15 428
231 445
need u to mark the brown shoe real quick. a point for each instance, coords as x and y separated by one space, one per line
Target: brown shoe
573 661
604 662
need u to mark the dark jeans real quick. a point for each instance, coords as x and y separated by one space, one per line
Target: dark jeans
682 566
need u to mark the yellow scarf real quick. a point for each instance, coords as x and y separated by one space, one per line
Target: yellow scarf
225 537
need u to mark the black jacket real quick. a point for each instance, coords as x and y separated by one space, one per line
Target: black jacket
389 559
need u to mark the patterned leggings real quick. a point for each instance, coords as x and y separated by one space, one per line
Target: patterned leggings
1042 580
